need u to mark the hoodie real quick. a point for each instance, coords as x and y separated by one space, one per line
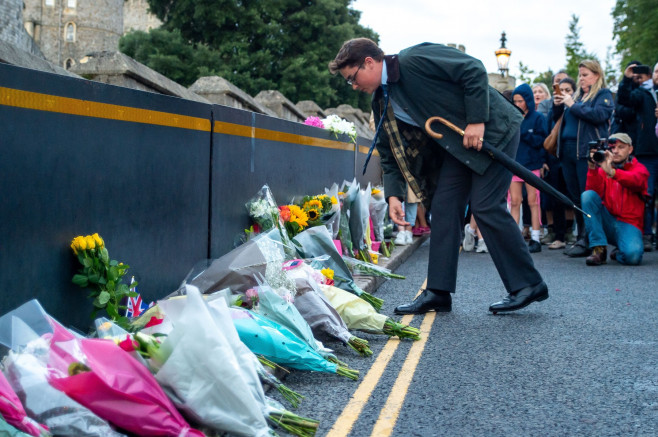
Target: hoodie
531 153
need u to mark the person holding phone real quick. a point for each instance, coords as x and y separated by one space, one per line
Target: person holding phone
585 117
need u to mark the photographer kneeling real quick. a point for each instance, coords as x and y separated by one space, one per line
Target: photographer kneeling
614 196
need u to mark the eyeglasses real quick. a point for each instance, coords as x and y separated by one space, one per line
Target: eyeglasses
352 79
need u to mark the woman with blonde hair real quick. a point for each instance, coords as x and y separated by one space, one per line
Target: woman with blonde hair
542 98
585 117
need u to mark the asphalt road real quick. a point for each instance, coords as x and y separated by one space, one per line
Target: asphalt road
582 363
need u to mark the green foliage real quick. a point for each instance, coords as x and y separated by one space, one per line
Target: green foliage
575 49
525 73
546 78
635 30
283 45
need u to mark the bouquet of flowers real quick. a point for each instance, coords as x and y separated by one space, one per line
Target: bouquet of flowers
317 311
264 211
319 209
314 121
333 223
362 317
378 208
337 126
358 267
102 275
295 219
278 344
274 307
360 221
316 243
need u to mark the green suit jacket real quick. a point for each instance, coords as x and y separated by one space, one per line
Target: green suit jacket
432 79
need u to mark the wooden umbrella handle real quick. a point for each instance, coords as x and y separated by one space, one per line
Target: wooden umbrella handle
428 128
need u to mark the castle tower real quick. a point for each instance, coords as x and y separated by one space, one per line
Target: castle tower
67 30
137 17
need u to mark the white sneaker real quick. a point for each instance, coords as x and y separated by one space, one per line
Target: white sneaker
410 237
482 248
469 239
401 239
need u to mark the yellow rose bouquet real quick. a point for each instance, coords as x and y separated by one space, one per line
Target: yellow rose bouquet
102 276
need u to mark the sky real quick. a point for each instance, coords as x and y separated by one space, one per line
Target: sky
536 30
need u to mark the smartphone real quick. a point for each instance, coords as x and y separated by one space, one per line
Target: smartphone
642 69
556 90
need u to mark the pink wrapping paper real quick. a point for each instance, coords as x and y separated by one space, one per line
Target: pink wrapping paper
118 388
13 412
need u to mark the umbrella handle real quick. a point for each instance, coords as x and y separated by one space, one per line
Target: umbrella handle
428 128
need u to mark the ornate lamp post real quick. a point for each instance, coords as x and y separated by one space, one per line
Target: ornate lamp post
502 56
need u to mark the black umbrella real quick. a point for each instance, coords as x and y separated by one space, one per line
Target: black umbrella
506 162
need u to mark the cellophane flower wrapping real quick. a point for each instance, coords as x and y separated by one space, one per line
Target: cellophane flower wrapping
357 313
238 269
276 343
25 331
113 385
316 243
324 320
13 412
357 228
333 224
274 307
378 208
204 375
264 210
6 430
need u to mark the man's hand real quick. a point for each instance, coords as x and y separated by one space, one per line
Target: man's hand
629 71
473 136
606 164
395 211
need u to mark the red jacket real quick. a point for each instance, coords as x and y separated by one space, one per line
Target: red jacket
623 195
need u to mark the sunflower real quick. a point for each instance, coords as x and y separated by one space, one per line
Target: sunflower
314 203
313 214
297 215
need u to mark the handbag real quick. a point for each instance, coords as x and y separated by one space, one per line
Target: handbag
550 143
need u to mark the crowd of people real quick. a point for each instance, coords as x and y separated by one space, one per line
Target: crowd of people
599 149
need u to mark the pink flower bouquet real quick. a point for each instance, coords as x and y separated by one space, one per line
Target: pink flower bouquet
101 376
13 412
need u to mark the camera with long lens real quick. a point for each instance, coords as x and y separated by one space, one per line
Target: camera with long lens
600 146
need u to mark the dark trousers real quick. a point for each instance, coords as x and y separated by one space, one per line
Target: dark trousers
575 177
456 185
651 163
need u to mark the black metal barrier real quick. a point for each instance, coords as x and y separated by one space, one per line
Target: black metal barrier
163 180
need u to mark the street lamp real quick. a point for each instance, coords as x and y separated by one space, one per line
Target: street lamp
502 56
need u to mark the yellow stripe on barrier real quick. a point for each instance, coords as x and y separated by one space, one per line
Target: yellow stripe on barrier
86 108
66 105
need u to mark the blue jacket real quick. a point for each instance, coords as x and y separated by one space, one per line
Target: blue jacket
593 120
531 153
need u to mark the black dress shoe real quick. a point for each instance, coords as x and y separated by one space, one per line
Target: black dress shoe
534 246
578 250
427 301
521 299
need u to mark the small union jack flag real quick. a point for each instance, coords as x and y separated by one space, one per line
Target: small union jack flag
135 306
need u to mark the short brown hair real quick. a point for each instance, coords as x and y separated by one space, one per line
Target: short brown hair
353 52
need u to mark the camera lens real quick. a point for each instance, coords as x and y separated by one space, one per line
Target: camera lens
598 156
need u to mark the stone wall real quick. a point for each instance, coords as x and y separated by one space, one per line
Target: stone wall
137 17
12 30
222 92
67 33
115 68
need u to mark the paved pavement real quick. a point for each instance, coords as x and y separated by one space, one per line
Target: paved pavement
584 362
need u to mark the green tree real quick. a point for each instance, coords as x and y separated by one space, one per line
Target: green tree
576 52
525 73
258 45
635 30
546 78
169 54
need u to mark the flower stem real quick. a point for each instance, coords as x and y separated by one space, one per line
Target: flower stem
271 364
360 345
372 300
347 372
335 360
391 328
294 424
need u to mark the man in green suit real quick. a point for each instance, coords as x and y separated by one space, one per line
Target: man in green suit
428 80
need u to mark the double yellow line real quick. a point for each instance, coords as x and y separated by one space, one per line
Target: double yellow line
389 413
